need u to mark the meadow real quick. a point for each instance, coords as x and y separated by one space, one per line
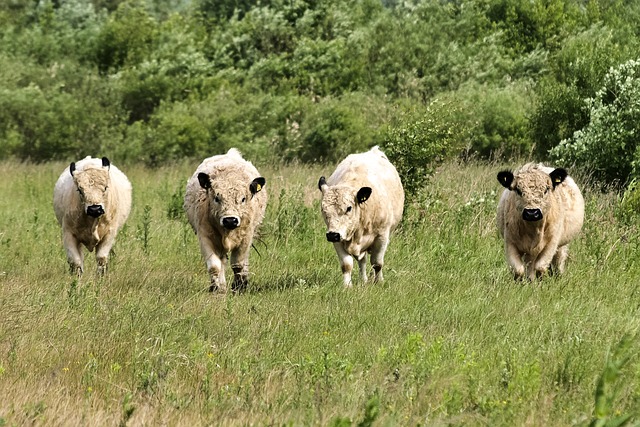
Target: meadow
448 339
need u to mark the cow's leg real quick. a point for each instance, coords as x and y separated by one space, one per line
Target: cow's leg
362 265
559 259
214 260
102 253
240 266
378 250
542 262
75 255
514 259
346 263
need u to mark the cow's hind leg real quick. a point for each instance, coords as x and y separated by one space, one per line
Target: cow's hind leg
378 249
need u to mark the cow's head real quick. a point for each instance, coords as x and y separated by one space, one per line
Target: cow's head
341 205
230 196
533 188
92 183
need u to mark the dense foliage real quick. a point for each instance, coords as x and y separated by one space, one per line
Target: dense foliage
310 80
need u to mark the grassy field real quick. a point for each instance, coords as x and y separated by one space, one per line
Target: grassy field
448 339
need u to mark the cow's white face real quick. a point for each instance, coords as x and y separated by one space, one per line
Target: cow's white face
92 184
533 188
230 198
341 207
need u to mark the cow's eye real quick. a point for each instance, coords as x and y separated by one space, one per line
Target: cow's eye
243 199
348 209
81 192
518 191
216 199
546 190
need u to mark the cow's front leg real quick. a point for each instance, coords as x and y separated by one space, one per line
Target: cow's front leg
346 264
240 266
102 252
362 264
75 255
377 255
560 259
542 262
214 260
514 259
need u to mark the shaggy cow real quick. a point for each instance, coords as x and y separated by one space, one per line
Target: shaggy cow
362 203
225 202
539 213
91 200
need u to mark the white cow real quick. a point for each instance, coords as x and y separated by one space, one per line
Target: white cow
539 213
225 202
91 200
362 203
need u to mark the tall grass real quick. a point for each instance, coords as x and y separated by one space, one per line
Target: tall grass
448 339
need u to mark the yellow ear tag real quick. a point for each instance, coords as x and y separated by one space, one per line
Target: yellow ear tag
258 187
557 181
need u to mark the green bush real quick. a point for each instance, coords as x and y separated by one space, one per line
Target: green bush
333 128
498 119
418 141
608 145
71 120
628 208
126 38
237 117
577 72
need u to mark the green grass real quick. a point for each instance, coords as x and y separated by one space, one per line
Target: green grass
448 339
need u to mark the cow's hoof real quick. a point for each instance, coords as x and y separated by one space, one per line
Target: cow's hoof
217 289
239 286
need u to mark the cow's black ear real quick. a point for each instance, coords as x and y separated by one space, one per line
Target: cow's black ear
257 184
105 162
321 183
205 180
505 178
72 168
558 176
363 194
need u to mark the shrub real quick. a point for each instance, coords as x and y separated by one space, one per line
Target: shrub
126 38
577 72
629 204
58 123
418 141
608 145
333 128
498 118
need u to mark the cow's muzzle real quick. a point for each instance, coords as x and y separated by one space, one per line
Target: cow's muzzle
532 214
230 222
95 211
332 236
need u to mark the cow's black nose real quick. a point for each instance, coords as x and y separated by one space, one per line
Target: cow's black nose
333 236
95 211
230 222
532 214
